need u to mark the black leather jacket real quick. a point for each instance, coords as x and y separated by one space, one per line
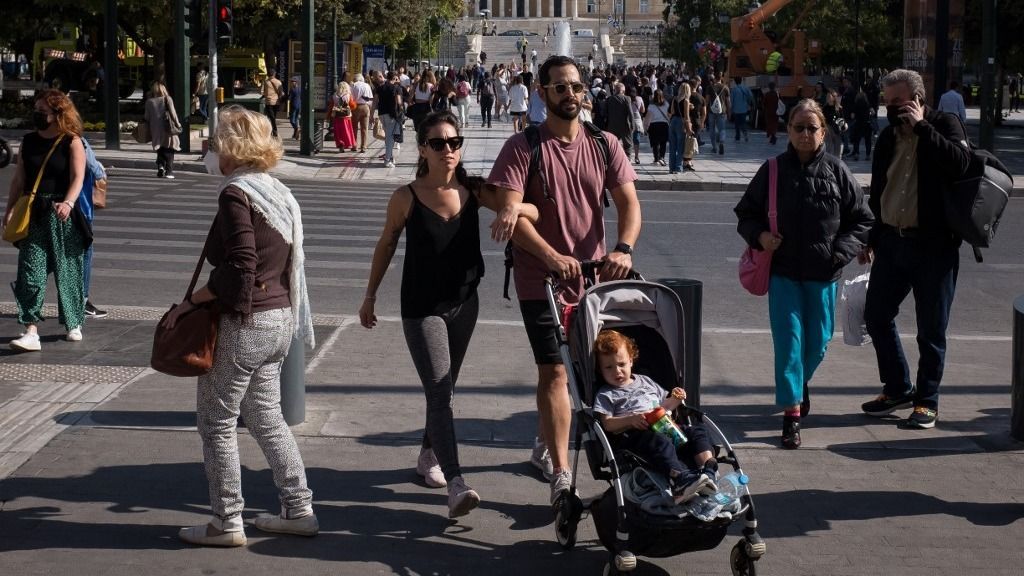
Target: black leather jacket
823 217
942 157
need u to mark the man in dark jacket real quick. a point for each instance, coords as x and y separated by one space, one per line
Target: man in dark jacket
920 153
620 118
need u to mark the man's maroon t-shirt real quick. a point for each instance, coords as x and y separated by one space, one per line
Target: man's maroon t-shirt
572 221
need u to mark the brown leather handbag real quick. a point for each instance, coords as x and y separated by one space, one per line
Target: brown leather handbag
188 348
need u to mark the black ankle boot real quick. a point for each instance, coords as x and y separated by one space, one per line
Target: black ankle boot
790 432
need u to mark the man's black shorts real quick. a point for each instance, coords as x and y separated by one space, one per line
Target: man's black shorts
541 330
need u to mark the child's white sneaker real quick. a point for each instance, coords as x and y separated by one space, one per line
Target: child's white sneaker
541 459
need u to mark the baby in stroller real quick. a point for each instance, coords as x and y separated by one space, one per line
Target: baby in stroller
621 405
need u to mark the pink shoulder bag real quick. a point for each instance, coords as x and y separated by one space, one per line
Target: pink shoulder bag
756 265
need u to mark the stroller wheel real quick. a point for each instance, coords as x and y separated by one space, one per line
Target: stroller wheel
568 510
742 564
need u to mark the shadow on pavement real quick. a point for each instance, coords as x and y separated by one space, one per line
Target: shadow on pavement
820 508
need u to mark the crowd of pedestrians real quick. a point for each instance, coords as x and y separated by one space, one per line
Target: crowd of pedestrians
554 217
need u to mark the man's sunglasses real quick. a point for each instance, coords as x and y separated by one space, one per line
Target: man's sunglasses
576 87
437 144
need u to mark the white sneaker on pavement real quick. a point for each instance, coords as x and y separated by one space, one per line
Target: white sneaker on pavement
216 532
561 481
427 466
389 164
75 334
461 498
541 459
27 342
304 526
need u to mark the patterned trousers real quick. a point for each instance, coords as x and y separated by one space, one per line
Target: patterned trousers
246 379
51 246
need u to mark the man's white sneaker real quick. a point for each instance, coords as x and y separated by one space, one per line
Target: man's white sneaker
461 498
541 459
389 164
427 466
561 481
304 526
74 335
28 342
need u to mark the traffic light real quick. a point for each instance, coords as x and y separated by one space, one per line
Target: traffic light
225 21
194 20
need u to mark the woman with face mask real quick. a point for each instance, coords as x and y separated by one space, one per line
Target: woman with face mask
51 162
164 127
259 284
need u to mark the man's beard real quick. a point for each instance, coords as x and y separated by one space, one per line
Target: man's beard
557 110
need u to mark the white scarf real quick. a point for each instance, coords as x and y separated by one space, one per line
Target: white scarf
274 201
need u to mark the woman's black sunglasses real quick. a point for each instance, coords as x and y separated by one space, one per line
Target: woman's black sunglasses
437 144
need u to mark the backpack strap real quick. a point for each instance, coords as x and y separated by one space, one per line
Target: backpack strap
602 145
532 134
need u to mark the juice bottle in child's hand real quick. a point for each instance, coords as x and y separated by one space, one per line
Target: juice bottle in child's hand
662 423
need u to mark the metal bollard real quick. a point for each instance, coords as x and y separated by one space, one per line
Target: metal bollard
1017 390
293 384
691 293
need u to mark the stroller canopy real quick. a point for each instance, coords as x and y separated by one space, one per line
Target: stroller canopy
623 304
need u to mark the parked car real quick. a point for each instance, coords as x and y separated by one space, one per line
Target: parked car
583 32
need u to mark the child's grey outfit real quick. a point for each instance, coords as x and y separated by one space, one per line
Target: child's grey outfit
644 395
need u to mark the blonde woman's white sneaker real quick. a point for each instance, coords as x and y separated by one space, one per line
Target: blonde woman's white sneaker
75 335
28 342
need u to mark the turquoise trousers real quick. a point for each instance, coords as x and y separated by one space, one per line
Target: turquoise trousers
802 316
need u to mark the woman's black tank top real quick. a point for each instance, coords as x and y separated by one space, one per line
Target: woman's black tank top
443 264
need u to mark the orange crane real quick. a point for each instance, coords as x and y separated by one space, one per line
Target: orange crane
752 46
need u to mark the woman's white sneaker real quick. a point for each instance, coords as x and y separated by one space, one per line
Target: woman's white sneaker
427 466
75 334
28 342
461 498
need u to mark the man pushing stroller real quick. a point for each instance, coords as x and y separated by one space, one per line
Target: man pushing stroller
621 406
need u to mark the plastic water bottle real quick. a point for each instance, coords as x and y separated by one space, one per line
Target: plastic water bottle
731 488
661 422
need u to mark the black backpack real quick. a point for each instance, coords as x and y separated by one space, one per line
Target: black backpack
975 203
532 134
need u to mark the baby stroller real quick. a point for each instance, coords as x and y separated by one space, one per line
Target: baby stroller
652 315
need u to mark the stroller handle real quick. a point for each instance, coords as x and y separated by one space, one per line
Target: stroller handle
589 270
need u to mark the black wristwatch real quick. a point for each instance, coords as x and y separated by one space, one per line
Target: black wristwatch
623 247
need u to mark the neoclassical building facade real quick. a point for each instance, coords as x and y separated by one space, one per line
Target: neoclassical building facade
621 10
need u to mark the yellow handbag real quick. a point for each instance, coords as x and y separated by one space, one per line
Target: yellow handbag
21 214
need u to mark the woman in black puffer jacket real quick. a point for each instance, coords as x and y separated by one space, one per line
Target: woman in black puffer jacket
823 223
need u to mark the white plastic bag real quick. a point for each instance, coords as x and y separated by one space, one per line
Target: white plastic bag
855 331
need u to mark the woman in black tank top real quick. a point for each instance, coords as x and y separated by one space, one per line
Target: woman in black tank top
442 268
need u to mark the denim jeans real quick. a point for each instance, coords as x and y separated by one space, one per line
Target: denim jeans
203 101
389 136
929 269
676 141
87 270
716 126
740 120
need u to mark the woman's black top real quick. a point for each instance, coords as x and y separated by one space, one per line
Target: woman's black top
443 264
56 174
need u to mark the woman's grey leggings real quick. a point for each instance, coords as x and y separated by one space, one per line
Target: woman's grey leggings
438 345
